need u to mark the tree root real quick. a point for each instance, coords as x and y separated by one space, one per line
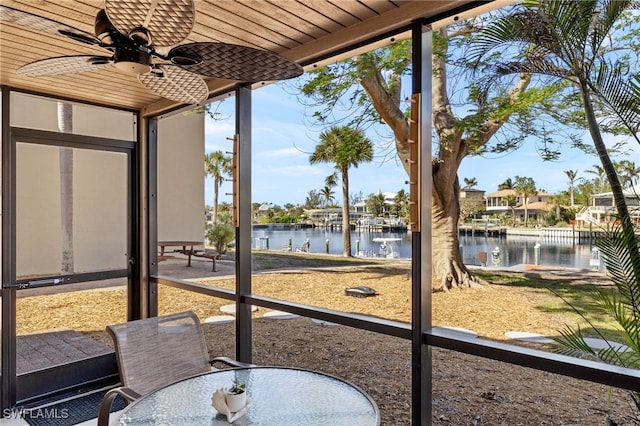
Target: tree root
458 276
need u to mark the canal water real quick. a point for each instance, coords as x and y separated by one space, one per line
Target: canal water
512 250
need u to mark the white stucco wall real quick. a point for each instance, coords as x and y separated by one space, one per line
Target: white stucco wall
100 187
181 178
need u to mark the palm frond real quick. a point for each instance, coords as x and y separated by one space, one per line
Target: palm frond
621 94
608 14
620 252
521 29
619 355
571 342
571 29
622 313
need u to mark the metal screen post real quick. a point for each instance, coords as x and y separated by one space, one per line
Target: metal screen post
244 268
421 387
8 326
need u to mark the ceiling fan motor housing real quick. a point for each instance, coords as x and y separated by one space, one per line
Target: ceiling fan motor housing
132 60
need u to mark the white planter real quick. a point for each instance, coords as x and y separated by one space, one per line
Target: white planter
236 402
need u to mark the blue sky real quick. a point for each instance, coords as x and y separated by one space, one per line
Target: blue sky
283 140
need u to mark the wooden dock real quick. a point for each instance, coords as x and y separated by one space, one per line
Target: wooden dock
489 231
557 234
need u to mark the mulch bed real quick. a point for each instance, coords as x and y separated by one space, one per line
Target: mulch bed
466 390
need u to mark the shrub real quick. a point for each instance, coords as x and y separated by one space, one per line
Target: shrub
220 236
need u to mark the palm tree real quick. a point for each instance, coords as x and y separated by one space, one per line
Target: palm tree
65 124
327 195
569 41
600 181
507 184
511 201
401 204
525 187
345 148
218 166
572 175
628 172
470 183
376 204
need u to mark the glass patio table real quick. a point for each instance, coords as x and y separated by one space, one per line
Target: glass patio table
278 396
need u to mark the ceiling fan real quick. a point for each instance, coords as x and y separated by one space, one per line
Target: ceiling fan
142 38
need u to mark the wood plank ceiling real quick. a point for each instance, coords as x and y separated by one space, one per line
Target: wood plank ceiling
300 30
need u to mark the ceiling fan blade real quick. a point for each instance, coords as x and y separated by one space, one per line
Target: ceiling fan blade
234 62
168 21
65 65
176 84
38 23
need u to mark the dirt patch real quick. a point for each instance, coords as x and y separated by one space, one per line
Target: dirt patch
466 390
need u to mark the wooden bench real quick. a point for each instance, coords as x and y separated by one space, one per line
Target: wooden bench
208 254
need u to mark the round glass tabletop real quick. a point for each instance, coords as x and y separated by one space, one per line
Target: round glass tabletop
278 396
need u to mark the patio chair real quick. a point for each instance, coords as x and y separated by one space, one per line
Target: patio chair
155 352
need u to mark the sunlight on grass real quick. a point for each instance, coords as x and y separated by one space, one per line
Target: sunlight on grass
581 296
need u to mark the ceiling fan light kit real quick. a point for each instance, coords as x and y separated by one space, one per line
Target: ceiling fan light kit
134 32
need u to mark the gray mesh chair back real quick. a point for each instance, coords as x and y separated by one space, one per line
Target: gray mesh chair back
156 351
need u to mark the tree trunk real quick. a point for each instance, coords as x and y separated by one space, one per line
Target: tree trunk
65 125
346 229
571 194
448 269
628 230
214 213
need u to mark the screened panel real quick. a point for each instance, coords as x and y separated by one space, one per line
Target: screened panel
94 237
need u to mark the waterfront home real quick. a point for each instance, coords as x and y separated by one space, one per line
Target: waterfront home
536 205
602 208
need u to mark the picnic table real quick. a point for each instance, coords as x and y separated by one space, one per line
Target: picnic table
188 248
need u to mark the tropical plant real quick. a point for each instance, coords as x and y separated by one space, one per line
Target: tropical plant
570 41
470 183
220 235
511 201
376 204
313 200
65 154
622 303
327 195
572 175
525 187
345 148
628 172
600 183
507 184
400 206
219 167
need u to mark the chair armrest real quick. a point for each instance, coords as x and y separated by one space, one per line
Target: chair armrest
230 362
107 401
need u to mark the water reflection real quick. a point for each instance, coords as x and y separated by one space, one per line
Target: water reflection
513 250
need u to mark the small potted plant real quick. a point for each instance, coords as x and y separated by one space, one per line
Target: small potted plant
236 396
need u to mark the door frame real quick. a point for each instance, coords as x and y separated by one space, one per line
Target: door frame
19 390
